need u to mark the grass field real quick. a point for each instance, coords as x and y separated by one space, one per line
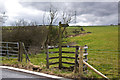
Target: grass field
104 39
103 54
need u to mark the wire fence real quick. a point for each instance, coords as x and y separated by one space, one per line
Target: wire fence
104 60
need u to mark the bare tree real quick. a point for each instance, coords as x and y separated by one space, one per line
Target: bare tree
44 18
52 15
3 18
32 23
52 18
20 22
23 22
67 17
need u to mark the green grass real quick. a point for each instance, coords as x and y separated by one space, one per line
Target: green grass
105 61
105 38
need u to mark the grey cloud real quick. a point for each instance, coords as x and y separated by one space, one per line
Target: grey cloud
96 8
2 7
103 12
44 6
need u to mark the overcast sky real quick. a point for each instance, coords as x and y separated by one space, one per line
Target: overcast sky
87 13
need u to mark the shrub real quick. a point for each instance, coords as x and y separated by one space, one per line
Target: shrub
30 35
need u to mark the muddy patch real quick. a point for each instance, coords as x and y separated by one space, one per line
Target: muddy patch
78 34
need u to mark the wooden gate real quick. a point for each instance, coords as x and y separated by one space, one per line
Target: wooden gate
79 53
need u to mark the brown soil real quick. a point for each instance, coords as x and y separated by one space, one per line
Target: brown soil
30 66
78 34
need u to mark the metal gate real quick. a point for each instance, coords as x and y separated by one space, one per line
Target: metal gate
9 49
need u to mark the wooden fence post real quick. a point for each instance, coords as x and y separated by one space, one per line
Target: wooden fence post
20 55
7 50
60 46
19 51
25 52
47 56
81 62
85 47
76 58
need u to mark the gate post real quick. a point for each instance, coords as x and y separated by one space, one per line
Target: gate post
60 47
76 58
20 53
81 62
85 48
7 50
47 56
21 49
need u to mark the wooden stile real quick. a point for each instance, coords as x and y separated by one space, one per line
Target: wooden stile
78 64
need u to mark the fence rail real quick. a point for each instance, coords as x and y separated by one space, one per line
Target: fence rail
52 47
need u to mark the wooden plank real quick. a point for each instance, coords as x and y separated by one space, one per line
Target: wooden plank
68 57
53 47
2 53
9 47
96 71
13 57
85 54
53 63
68 52
85 60
53 52
10 51
13 54
68 63
4 50
85 47
71 46
53 57
62 46
9 42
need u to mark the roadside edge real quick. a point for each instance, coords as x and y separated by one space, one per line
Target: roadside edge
35 73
